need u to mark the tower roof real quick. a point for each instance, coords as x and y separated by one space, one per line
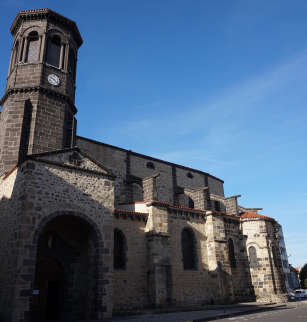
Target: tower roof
46 14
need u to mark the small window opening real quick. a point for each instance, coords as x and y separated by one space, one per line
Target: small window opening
32 49
191 203
150 165
54 51
119 250
253 257
231 251
75 159
190 175
188 249
217 205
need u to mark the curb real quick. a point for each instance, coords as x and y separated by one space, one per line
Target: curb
229 315
191 309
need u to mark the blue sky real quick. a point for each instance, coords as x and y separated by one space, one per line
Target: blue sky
219 86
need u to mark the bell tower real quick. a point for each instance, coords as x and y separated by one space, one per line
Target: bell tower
38 106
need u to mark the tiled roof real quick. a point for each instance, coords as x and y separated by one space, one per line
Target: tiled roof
249 215
173 206
131 212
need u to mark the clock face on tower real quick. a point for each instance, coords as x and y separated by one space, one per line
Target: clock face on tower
54 80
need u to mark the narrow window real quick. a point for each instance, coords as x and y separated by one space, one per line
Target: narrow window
191 203
253 257
32 49
188 249
231 251
274 256
217 205
119 250
54 51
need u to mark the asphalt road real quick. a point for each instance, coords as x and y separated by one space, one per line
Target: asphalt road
283 314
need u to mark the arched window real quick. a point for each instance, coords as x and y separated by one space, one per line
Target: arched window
188 249
54 51
231 251
150 165
253 257
119 250
274 256
32 50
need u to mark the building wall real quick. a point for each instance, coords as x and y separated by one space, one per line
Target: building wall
125 163
268 281
190 287
39 193
130 284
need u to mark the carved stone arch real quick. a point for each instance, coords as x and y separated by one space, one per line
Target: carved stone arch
234 239
53 31
98 265
38 29
254 244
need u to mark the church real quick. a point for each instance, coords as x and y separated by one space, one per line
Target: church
87 228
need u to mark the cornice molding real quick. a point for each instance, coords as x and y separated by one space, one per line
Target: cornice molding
35 89
43 14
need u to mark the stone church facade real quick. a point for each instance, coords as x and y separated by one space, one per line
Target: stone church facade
86 227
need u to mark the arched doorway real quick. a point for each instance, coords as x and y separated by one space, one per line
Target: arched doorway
47 293
67 271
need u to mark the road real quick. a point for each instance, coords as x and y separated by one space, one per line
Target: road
283 314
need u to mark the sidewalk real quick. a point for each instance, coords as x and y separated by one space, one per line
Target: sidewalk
206 313
201 314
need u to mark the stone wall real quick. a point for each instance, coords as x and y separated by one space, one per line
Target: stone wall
131 168
190 287
130 283
267 279
41 192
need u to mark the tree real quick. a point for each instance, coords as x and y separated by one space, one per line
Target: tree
303 276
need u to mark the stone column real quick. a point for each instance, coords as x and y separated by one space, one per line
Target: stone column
39 47
159 269
43 48
13 54
61 56
217 249
46 55
25 48
150 188
66 57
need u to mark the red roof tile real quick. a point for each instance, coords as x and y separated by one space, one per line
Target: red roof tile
249 214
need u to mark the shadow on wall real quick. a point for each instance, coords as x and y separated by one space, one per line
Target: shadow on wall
201 285
57 213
